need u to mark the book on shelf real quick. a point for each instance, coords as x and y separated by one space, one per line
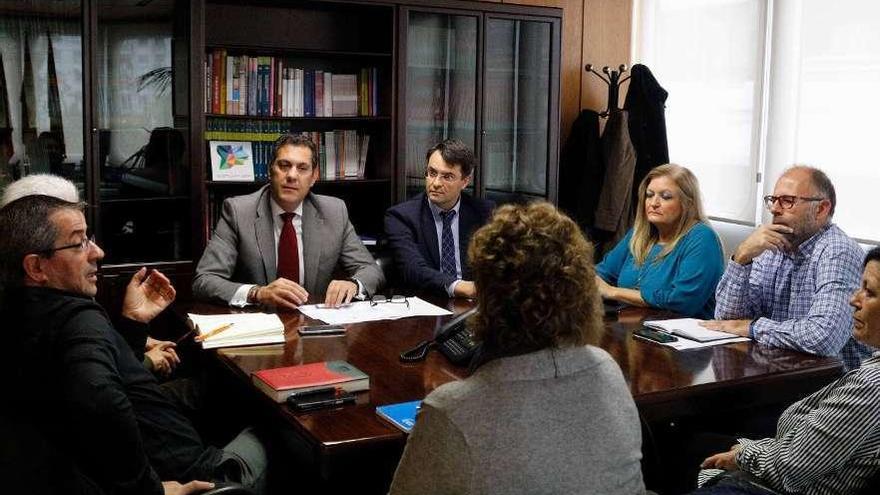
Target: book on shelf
279 383
342 153
362 158
237 329
689 328
328 94
402 415
344 87
260 85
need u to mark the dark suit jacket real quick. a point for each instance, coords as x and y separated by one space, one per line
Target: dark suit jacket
646 103
412 236
242 250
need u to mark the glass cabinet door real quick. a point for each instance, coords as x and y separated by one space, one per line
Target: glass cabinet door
141 111
440 91
41 91
517 92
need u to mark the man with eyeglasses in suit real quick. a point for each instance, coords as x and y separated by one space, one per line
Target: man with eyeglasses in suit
788 283
429 233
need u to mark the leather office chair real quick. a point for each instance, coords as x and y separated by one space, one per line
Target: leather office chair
385 261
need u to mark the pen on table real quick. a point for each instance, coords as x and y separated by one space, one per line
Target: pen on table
315 391
204 336
184 336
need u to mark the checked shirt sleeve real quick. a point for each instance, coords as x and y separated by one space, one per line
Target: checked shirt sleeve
823 327
735 299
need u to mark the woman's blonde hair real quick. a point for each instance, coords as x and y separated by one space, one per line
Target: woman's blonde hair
535 281
645 235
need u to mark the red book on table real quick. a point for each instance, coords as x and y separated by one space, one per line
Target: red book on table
279 383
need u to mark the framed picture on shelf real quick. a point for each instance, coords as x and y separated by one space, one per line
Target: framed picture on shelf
231 160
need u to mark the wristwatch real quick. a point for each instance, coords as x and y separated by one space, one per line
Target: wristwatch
252 294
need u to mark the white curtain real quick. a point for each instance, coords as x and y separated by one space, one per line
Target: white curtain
824 101
708 55
67 48
821 64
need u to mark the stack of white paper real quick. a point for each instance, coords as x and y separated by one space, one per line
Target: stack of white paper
688 328
246 329
358 312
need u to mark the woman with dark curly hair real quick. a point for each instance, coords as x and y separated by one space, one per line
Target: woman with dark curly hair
545 411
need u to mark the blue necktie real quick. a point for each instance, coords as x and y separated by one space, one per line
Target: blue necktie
447 245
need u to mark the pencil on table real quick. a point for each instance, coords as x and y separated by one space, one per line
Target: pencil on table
205 336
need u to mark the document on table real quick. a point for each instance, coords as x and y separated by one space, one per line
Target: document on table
237 329
691 335
360 311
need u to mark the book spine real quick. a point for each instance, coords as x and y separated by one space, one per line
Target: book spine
215 82
309 96
230 69
209 79
279 87
265 87
271 68
319 93
328 94
362 158
374 90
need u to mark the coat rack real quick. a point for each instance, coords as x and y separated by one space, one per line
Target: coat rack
613 81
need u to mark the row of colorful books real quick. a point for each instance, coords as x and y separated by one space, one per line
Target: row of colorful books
271 86
341 153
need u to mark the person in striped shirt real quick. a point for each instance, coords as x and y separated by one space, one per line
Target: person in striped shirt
827 443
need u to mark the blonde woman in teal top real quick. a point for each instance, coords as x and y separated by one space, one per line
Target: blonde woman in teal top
671 258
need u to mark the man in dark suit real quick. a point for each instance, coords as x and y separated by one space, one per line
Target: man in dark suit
429 233
281 243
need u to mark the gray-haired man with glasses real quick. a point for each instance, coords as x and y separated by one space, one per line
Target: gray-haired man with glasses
105 410
788 283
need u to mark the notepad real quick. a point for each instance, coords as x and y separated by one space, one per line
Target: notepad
246 329
689 328
402 415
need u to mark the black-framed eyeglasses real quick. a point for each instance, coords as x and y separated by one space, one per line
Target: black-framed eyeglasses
395 299
82 245
447 177
786 202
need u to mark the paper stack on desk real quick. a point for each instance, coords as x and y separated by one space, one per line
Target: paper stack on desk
358 312
245 329
693 335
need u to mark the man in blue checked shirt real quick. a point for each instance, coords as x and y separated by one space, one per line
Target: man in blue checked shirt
787 285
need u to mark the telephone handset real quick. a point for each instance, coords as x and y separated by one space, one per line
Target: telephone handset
453 340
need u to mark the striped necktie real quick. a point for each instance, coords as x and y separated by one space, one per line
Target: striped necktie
447 244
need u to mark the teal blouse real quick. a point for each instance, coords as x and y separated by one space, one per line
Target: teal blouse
683 281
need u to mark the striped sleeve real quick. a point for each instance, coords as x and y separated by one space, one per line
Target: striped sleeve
824 444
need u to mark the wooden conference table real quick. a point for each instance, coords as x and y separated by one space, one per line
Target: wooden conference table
666 384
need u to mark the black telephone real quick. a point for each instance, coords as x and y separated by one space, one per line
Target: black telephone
453 340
